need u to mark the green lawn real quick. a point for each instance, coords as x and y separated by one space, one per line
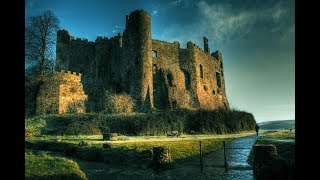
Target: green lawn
45 166
181 147
286 134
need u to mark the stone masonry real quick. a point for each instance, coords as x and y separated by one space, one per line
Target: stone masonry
156 74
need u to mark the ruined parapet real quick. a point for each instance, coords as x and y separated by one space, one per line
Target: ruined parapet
217 54
63 36
177 44
205 45
190 45
64 75
61 92
140 44
102 39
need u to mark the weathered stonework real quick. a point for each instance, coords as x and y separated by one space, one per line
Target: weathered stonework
156 74
61 92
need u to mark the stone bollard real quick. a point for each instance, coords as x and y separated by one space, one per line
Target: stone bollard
110 136
84 143
263 157
161 157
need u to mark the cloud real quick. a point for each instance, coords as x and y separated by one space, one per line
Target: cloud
118 27
154 13
175 3
225 20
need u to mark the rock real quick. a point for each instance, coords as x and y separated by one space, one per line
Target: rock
57 140
106 146
173 133
110 136
161 157
263 157
84 143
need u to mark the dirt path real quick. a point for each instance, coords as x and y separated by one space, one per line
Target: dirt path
237 152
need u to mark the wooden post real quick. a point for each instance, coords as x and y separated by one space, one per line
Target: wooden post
224 154
200 153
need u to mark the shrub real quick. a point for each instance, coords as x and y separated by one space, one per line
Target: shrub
118 103
44 166
184 121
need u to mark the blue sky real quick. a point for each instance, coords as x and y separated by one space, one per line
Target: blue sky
256 38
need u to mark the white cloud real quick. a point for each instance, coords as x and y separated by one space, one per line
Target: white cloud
154 13
220 22
118 27
175 3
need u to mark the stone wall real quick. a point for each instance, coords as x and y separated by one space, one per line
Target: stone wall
210 95
168 76
61 92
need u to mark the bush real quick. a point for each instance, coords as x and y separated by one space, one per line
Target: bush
118 103
184 121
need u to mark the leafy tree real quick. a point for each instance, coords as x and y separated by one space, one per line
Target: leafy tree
40 39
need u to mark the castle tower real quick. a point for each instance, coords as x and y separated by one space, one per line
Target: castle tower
63 40
138 34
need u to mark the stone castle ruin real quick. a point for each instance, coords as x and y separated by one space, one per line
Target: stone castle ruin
156 74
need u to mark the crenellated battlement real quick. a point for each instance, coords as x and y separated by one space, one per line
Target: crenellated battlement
69 72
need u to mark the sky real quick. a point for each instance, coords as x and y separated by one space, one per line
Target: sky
256 39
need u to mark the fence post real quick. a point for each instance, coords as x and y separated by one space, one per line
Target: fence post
200 153
224 154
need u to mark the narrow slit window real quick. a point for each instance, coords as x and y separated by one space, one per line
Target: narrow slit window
154 54
201 71
170 78
218 79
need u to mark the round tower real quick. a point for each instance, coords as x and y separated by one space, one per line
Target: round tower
140 47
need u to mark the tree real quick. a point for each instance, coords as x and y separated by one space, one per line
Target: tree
40 39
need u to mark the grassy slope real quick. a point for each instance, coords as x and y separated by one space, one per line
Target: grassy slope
46 166
181 147
282 124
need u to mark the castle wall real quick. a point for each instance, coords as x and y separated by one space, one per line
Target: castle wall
125 64
210 95
167 73
47 101
61 92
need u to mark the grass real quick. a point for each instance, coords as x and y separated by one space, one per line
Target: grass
285 149
45 166
182 147
284 134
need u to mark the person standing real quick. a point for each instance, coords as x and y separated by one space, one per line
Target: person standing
257 129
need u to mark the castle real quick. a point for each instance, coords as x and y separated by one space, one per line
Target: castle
156 74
